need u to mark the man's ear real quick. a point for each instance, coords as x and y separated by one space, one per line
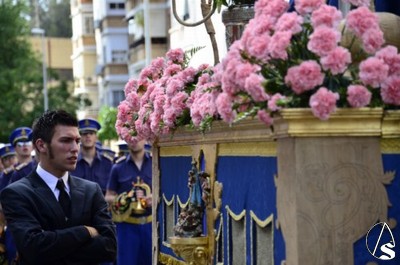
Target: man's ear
40 145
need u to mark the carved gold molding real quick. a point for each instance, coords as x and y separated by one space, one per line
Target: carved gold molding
248 130
266 148
170 151
391 124
344 122
390 145
194 250
169 260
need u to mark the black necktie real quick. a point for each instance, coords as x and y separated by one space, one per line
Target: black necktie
63 198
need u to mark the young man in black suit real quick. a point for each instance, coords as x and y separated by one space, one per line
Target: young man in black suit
56 218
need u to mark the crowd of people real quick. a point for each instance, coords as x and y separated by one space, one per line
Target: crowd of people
58 187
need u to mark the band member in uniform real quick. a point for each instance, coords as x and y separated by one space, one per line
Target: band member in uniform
133 230
20 139
92 164
9 159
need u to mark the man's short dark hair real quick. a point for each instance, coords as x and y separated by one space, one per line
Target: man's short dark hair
43 127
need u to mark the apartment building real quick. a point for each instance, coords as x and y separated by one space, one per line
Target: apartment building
111 35
84 56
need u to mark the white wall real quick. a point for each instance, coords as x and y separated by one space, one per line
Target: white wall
189 37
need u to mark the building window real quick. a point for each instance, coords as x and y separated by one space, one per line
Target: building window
88 26
118 56
186 15
117 97
117 6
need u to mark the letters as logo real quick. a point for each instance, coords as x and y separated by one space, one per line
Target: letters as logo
380 242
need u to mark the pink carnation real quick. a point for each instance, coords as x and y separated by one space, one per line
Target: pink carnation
390 90
372 40
224 107
390 56
289 22
243 71
172 69
307 6
280 41
358 96
273 102
323 103
187 75
337 60
273 8
175 56
360 20
323 40
253 86
259 25
373 71
265 117
257 46
133 100
173 86
326 15
130 86
304 77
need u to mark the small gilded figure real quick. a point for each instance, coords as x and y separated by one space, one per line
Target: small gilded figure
190 220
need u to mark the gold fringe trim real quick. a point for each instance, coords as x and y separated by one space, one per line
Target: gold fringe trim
265 148
168 202
181 204
390 146
169 260
175 151
259 222
234 216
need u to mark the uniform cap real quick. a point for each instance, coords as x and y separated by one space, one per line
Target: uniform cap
21 134
123 146
7 150
89 125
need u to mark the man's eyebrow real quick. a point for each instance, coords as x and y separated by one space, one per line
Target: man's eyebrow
70 138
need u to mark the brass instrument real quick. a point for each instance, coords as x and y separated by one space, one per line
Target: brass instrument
127 204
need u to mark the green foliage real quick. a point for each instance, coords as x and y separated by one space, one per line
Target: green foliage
107 118
21 81
231 3
190 53
55 18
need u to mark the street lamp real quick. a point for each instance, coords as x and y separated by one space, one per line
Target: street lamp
41 32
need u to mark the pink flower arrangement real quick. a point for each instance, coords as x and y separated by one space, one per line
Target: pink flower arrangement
283 60
305 64
168 94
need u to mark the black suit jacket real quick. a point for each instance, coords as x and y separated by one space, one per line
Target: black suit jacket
44 236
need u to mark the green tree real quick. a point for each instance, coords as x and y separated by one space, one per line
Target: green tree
18 65
107 118
21 82
55 18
